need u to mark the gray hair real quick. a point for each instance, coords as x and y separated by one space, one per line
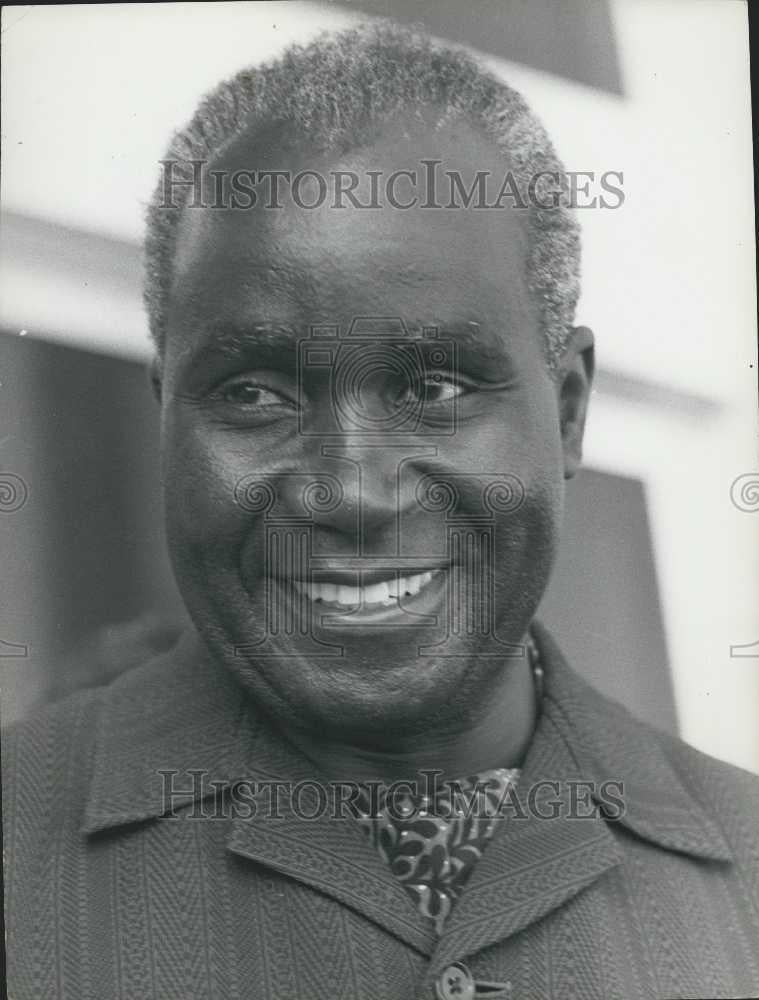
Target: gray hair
332 90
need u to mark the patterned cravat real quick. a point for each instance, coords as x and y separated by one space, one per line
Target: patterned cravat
432 846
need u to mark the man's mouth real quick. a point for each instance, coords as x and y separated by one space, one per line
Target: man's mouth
378 593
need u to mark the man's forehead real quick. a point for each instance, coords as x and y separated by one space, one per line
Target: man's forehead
430 157
426 131
268 274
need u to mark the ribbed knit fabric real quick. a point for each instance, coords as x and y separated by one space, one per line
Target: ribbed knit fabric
106 901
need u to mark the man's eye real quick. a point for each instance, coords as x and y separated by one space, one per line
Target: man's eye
439 389
246 392
435 389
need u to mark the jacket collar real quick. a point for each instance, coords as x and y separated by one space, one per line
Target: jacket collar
184 714
535 865
609 745
176 713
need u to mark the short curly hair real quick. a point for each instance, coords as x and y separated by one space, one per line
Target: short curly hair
332 90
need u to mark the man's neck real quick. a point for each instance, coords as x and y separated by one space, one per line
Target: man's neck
498 737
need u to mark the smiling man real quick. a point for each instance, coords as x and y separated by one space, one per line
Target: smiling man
366 771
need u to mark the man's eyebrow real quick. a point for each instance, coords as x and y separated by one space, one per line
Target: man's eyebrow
249 341
265 342
477 342
473 335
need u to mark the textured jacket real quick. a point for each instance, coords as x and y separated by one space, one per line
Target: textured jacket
106 900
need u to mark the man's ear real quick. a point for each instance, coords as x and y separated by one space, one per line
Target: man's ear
156 377
573 381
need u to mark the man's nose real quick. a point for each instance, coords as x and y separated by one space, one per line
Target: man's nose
376 480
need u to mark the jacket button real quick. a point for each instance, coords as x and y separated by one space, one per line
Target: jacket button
455 983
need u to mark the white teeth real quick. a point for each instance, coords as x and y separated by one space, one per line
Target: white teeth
376 593
385 592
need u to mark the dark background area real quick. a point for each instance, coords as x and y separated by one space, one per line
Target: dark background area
573 40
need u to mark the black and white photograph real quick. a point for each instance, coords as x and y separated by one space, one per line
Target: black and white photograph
379 501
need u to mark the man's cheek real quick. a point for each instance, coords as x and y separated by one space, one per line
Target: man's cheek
200 497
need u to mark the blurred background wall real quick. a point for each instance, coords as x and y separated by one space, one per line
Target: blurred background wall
656 591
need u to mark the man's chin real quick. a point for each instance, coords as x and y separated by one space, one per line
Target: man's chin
393 670
358 697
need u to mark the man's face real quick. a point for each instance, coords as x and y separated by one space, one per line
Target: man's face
361 518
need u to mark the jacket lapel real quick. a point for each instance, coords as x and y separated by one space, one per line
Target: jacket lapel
535 864
609 744
539 859
180 717
329 851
